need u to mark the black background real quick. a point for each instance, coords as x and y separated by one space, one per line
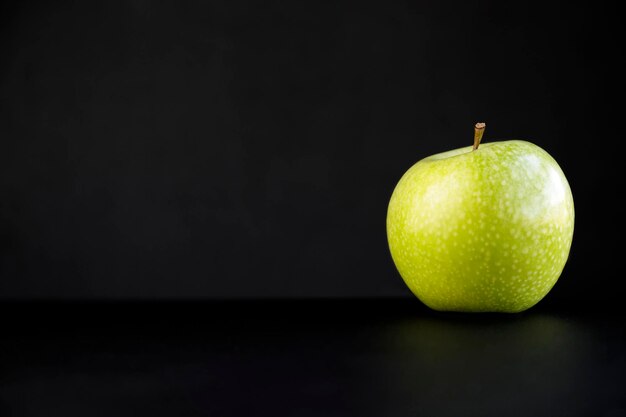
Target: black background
249 149
193 200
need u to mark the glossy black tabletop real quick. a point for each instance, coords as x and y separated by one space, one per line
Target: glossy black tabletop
390 357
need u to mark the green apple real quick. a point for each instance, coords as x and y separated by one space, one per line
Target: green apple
486 228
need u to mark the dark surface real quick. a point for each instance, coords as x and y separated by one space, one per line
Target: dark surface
244 148
308 358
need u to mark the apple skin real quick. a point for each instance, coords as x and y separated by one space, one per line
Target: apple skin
485 230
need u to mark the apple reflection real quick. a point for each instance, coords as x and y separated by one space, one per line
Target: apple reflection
469 365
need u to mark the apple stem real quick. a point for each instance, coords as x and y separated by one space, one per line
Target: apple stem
479 129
